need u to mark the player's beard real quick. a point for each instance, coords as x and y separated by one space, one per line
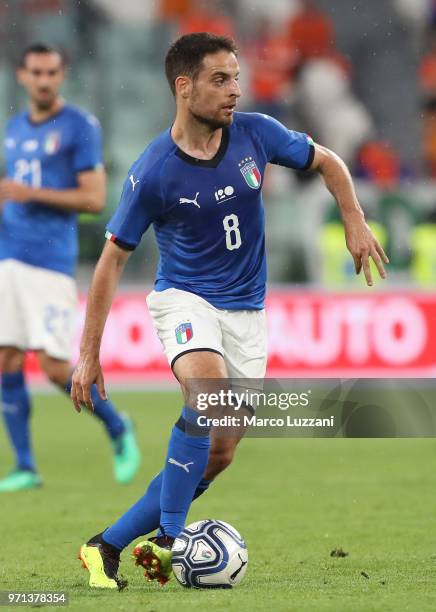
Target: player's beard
211 122
44 104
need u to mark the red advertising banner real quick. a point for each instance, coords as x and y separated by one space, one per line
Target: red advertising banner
310 334
352 335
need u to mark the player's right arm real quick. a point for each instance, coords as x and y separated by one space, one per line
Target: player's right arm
88 197
104 284
86 160
140 205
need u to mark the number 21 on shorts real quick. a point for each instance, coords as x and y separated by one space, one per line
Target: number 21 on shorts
233 235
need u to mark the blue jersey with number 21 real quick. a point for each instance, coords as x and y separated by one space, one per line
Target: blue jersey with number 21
49 154
208 215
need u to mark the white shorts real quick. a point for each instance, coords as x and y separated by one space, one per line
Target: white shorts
186 322
37 309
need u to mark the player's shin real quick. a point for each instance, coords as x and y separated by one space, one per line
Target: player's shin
144 516
185 463
16 413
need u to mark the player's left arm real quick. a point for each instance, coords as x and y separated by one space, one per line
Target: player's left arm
89 195
359 238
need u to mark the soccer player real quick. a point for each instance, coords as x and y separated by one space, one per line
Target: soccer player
199 183
53 171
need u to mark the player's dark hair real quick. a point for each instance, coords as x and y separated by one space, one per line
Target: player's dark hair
185 56
40 48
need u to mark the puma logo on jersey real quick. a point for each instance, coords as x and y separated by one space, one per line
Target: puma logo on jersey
184 466
30 145
134 183
188 201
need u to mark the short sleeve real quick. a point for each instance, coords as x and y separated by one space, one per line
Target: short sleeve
285 147
140 205
9 141
87 153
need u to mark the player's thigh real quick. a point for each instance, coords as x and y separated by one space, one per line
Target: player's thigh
12 321
49 302
11 359
190 331
245 343
197 372
186 324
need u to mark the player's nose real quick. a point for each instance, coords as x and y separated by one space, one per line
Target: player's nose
236 91
44 81
43 85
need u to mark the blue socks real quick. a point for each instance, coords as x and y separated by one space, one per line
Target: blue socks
144 516
105 411
203 486
16 414
172 490
17 410
140 519
185 464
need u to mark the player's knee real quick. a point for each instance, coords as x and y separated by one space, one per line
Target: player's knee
219 460
11 360
54 370
55 376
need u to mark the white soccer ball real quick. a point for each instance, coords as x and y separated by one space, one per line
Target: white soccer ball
209 554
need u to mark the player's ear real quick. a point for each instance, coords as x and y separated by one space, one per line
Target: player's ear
183 86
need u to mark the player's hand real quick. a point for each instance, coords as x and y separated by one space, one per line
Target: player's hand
12 190
362 245
88 371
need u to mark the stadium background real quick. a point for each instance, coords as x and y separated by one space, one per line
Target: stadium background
360 77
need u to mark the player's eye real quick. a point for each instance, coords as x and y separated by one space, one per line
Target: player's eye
36 72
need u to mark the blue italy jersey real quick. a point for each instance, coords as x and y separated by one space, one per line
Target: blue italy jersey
49 154
208 215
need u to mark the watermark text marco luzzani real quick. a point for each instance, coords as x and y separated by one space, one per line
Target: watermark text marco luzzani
254 421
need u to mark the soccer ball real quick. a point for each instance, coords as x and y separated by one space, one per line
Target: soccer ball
209 554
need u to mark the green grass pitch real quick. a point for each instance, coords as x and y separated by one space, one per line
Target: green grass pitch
294 501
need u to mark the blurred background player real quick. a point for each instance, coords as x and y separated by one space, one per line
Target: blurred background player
208 303
54 171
